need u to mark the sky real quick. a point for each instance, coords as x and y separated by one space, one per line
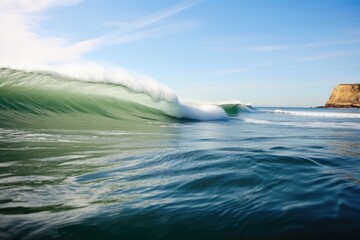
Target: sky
266 53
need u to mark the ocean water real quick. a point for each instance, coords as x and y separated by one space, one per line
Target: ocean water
106 159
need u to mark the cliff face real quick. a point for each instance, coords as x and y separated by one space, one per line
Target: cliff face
345 95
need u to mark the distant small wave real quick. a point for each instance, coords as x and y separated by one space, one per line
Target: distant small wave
312 124
319 114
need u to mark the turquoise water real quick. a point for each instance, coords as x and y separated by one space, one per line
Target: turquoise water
81 161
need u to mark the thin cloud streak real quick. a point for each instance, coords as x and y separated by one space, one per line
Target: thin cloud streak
281 62
122 37
265 48
233 44
163 14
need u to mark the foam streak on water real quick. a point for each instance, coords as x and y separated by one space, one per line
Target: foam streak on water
319 114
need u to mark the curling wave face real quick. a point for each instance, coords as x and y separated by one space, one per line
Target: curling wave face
99 94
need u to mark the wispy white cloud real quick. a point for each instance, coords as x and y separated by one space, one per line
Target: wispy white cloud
21 43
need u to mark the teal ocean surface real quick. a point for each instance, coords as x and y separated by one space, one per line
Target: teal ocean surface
105 158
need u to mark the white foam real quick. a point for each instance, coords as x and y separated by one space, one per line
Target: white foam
257 121
343 125
204 112
319 114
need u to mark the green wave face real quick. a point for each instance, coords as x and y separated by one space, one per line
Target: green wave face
49 100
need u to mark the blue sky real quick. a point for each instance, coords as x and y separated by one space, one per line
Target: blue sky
267 53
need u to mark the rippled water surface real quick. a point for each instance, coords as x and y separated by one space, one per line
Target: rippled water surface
266 174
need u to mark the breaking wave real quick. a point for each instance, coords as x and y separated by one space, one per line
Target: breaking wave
95 94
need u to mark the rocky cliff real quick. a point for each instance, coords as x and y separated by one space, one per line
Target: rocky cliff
345 95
